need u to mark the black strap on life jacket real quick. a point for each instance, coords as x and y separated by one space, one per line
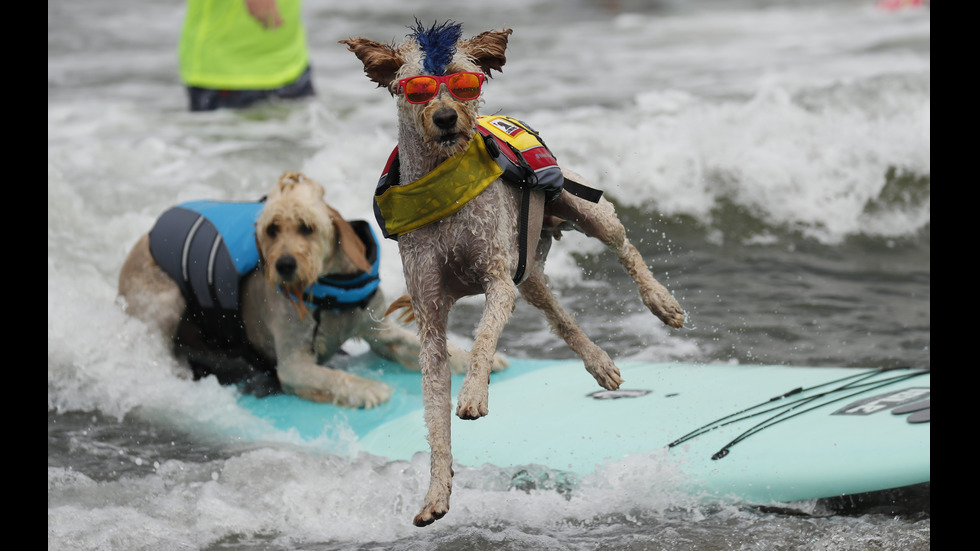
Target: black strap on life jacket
527 182
522 244
524 215
582 191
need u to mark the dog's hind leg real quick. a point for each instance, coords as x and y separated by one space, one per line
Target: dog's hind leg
431 314
599 220
149 292
473 395
535 290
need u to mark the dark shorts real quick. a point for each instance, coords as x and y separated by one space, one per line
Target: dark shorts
207 99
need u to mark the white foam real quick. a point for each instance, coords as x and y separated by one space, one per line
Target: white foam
291 495
793 114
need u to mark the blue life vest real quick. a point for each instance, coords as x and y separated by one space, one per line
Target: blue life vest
207 248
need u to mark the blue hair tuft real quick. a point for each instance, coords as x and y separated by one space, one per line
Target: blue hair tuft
438 43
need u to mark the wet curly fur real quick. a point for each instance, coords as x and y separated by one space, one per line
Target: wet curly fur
474 250
299 237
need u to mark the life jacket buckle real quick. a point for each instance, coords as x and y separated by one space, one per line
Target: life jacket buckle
491 144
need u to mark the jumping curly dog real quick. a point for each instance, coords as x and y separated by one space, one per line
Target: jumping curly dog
467 239
273 287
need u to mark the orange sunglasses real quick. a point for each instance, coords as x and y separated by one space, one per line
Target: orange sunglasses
422 88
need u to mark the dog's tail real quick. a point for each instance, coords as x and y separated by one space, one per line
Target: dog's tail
401 302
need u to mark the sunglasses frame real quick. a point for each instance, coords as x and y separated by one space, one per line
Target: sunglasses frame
440 80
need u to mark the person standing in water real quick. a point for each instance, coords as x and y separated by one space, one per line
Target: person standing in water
233 53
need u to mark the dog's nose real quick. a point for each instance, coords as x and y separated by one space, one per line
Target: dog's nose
445 118
286 266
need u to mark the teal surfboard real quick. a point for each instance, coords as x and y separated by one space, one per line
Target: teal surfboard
758 433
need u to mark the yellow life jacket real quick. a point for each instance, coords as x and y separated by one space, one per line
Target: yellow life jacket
508 148
445 190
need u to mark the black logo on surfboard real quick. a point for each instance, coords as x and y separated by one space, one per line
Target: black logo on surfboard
621 393
914 401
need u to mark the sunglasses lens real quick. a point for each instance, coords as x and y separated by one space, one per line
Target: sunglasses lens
464 85
421 89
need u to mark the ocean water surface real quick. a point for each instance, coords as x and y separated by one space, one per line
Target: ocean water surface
770 159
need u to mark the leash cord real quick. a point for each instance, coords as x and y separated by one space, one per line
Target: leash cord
776 418
790 406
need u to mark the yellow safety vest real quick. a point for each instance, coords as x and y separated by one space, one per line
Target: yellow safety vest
223 47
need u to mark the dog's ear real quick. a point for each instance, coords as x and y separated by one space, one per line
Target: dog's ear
487 49
349 241
286 181
381 61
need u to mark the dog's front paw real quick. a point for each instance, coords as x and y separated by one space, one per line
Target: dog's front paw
440 487
351 391
473 398
367 393
663 305
601 366
430 513
609 379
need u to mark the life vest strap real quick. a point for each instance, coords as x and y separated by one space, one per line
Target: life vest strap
530 221
582 191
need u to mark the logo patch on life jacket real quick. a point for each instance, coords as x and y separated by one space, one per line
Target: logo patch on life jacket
505 126
525 159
